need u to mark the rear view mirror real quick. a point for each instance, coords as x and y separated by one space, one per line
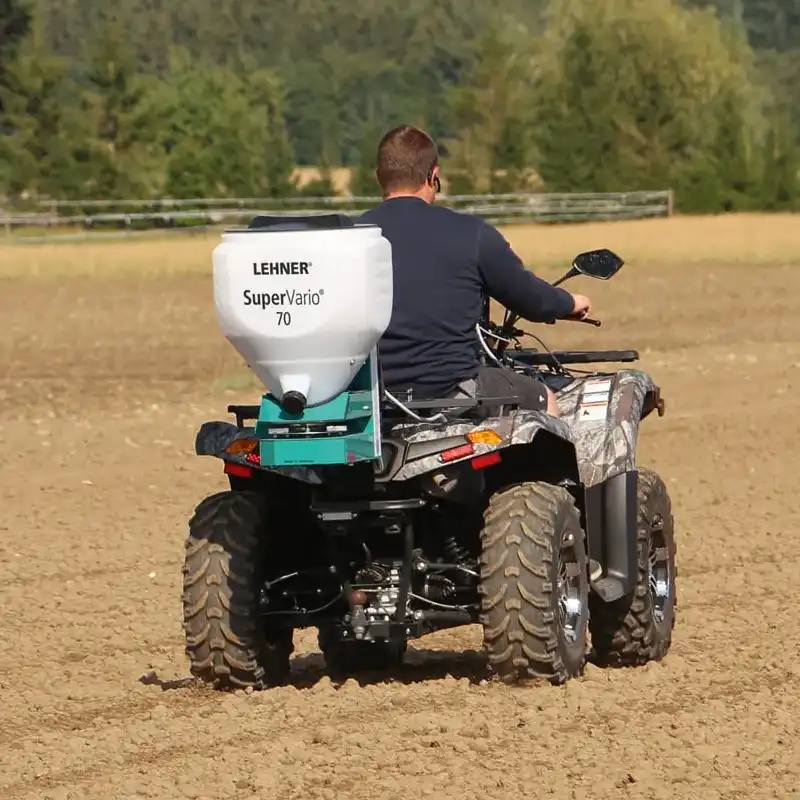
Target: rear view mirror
601 264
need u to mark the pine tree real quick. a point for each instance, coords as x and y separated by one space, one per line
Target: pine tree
363 182
226 135
734 157
266 96
44 148
15 23
127 160
643 94
491 112
781 182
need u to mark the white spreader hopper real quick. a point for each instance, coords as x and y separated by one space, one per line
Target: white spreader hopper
303 302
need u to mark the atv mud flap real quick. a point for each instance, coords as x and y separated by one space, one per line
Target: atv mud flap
611 522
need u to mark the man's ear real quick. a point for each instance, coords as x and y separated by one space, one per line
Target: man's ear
435 182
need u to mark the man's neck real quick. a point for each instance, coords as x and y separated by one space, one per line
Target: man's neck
394 195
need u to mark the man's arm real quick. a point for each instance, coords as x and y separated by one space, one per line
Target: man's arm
519 290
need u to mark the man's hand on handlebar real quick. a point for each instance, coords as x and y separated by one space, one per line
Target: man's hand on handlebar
582 307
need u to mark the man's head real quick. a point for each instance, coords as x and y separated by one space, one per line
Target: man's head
408 164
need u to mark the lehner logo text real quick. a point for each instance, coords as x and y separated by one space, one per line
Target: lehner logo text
281 268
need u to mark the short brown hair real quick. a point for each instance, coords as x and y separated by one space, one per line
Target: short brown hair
406 156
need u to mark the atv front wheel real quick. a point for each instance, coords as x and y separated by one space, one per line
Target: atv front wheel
534 584
226 642
638 628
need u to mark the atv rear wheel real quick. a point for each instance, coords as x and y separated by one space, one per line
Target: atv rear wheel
534 584
346 658
226 642
638 628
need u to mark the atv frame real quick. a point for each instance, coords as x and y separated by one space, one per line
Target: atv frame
376 555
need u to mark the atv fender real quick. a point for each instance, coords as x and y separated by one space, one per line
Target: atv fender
605 439
215 437
603 413
611 514
520 428
537 446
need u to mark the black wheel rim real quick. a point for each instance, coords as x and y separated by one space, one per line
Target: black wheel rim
659 571
571 603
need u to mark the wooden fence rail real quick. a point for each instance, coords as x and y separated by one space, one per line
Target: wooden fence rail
129 217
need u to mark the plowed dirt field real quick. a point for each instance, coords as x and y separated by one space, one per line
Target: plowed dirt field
103 384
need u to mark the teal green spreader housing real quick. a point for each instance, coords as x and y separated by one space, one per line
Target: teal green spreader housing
343 430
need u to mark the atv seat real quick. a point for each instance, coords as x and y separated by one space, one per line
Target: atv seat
468 408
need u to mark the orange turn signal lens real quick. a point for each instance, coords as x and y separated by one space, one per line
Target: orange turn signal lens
239 446
487 436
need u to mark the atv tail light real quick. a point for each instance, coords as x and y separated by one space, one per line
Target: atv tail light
454 453
486 460
238 470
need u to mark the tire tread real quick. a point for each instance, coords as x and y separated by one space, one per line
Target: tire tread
224 641
523 528
624 633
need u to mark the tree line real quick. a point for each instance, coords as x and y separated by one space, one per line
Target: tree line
226 98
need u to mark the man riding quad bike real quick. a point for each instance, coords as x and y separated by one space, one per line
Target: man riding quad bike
445 264
402 475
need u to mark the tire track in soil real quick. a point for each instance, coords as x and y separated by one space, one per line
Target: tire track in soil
307 672
185 709
427 667
79 575
88 716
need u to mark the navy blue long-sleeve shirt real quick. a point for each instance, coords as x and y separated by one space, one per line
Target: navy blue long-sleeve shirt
445 263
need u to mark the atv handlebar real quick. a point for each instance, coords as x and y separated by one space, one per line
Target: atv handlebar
588 320
600 264
508 333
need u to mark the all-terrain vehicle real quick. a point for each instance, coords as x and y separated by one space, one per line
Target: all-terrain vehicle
377 519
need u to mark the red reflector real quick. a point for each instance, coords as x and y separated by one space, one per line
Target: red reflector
486 460
454 453
238 470
253 458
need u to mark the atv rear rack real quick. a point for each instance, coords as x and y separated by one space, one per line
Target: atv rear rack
250 412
